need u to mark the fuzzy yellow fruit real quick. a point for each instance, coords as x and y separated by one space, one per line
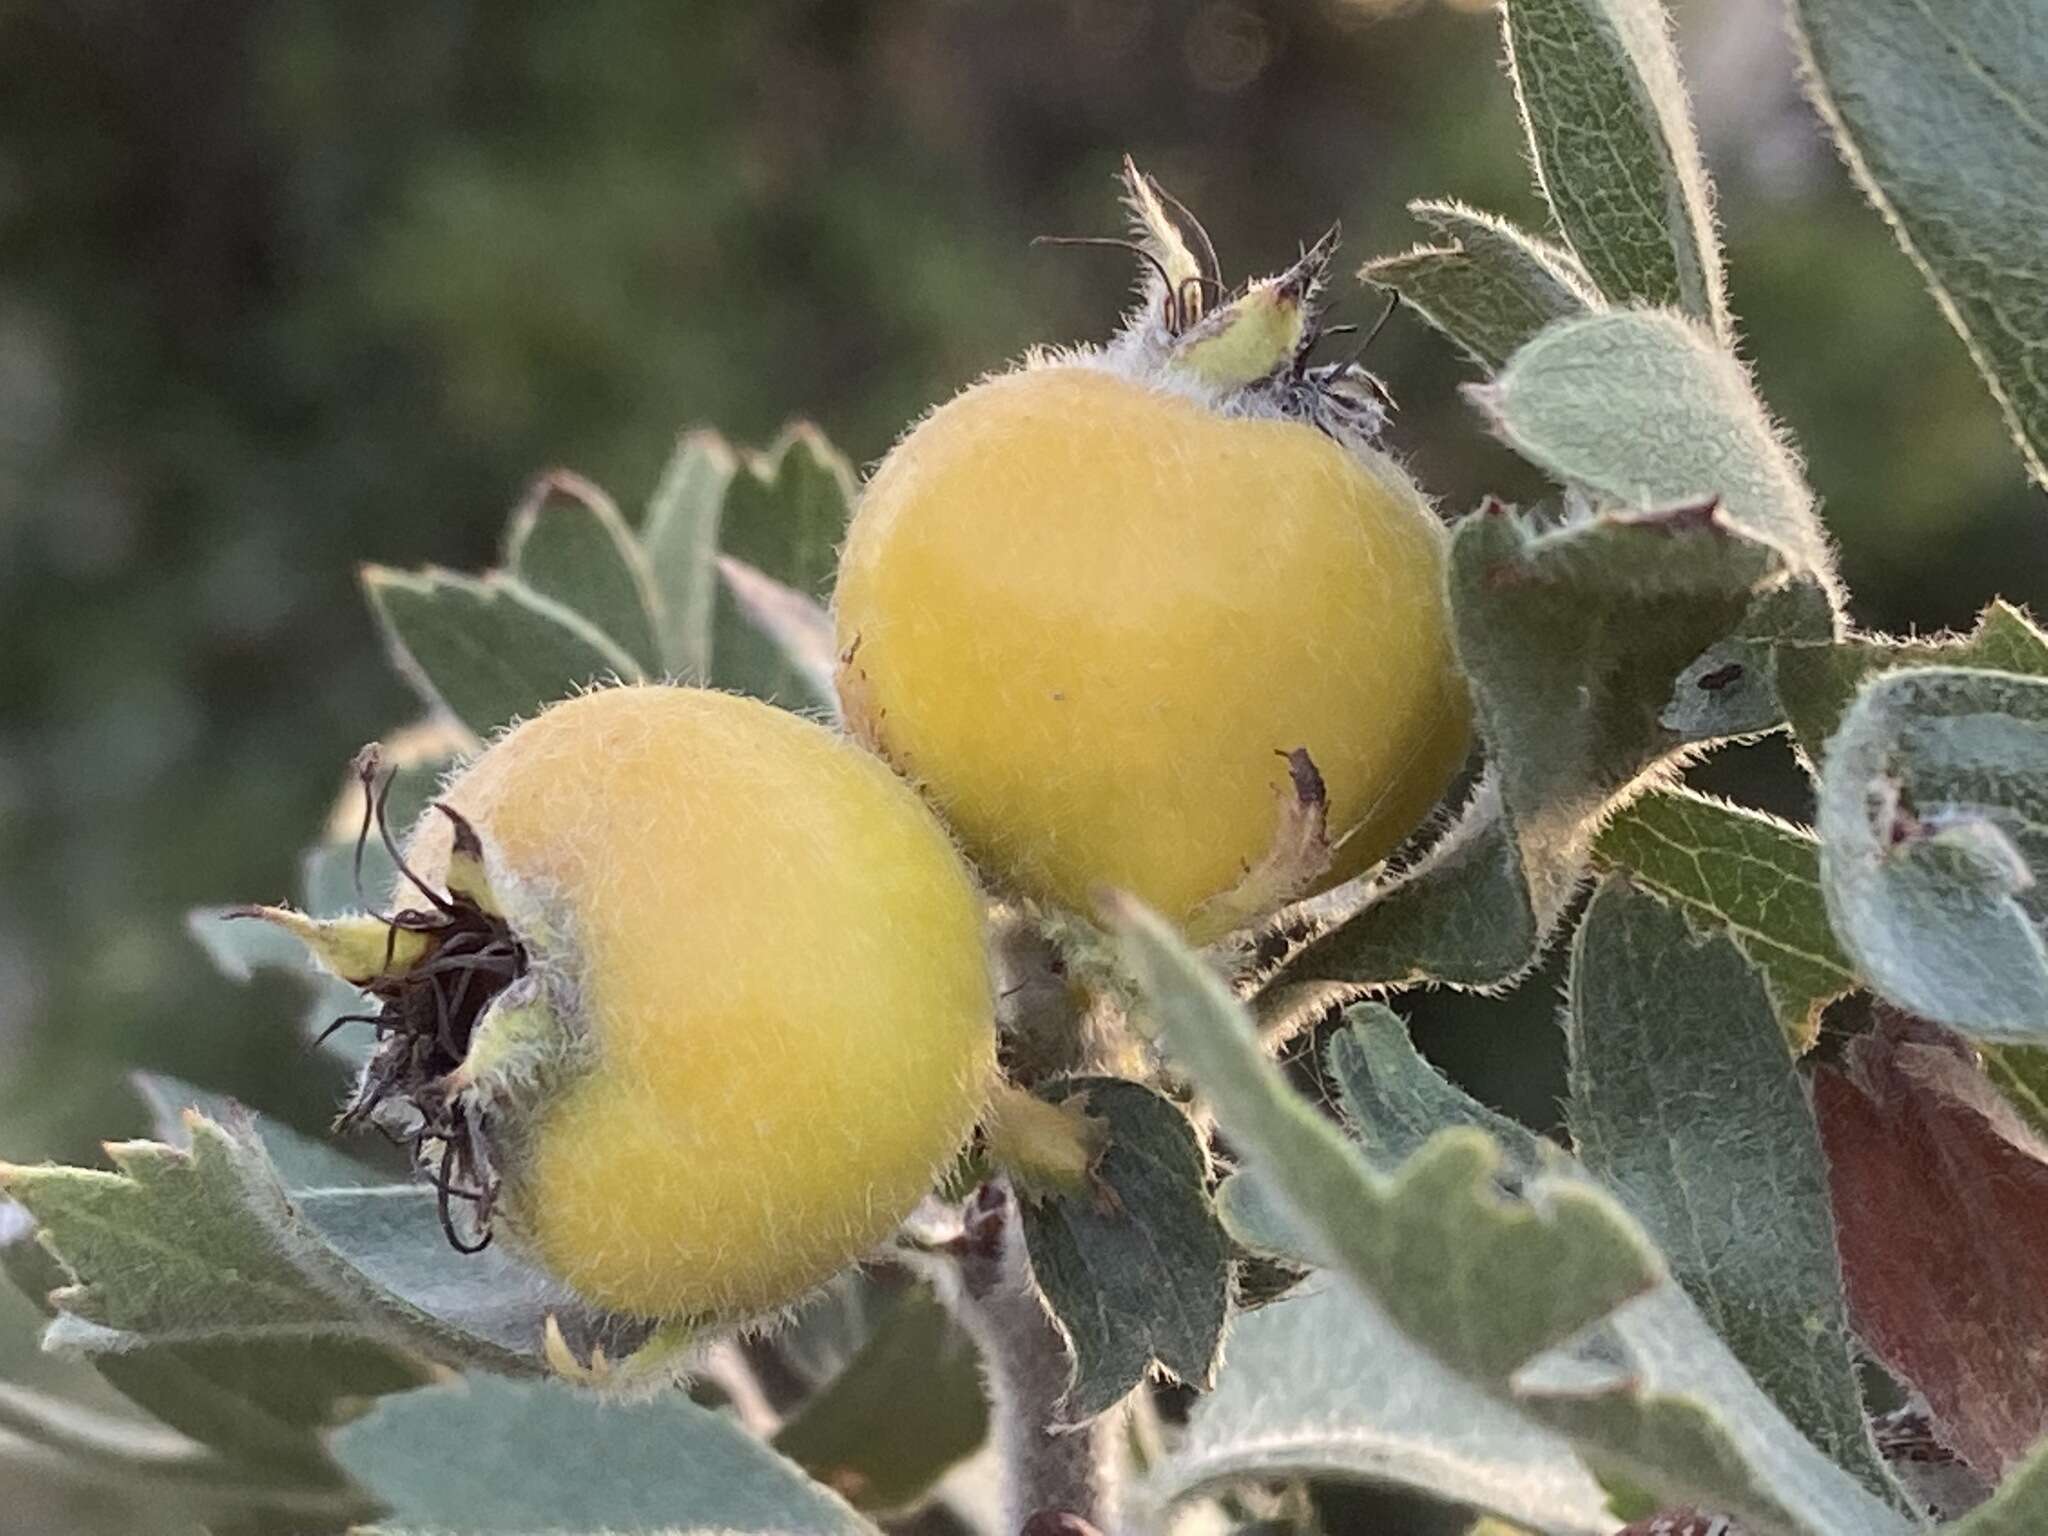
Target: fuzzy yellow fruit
757 1021
1087 610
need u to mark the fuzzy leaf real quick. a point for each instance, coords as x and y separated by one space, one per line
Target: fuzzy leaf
1731 689
797 629
1938 105
1675 1412
2021 1073
679 533
784 515
568 543
1934 846
1571 639
1686 1102
1818 682
1484 284
1941 1197
1612 138
1754 877
1644 409
1319 1386
489 650
1394 1100
500 1458
1478 1278
1136 1269
204 1245
917 1371
1464 914
1714 1412
1428 1244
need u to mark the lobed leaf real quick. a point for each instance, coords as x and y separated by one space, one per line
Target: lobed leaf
679 535
1484 284
1394 1100
1752 876
1611 136
1941 1195
1571 638
1135 1270
1939 110
1934 846
1318 1385
204 1245
1477 1278
1427 1245
1730 690
568 543
1674 1412
1686 1103
1818 681
489 650
500 1458
784 515
1643 408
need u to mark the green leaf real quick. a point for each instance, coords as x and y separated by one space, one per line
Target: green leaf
1674 1412
1432 1245
1394 1100
500 1458
802 651
1136 1269
568 543
1751 875
1482 1280
1571 639
1612 138
204 1245
2021 1073
1464 914
784 516
679 533
1486 285
1644 409
1817 682
1730 690
1686 1102
1934 846
1319 1386
488 650
918 1373
2018 1508
1939 109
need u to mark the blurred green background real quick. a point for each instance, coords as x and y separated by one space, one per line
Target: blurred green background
286 285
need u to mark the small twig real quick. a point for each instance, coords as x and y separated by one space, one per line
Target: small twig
1052 1469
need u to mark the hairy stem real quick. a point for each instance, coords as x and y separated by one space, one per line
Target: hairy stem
1051 1468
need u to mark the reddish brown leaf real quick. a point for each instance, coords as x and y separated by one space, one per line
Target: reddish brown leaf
1941 1207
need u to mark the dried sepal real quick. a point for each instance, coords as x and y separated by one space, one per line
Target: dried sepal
1299 856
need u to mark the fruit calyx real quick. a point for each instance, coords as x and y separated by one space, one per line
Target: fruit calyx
435 971
1246 350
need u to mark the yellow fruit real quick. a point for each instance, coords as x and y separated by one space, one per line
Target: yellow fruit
755 1022
1089 608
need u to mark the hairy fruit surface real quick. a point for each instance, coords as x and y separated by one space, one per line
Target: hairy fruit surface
755 1019
1090 614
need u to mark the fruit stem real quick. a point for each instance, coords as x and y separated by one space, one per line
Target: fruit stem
1051 1467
